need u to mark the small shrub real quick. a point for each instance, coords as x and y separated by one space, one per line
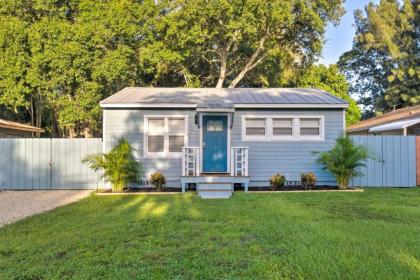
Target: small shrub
277 181
158 181
120 166
308 180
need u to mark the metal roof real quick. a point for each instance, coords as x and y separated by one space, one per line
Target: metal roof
221 97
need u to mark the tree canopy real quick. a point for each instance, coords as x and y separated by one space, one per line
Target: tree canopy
218 43
384 63
59 58
329 79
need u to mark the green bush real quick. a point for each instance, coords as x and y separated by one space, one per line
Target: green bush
158 181
343 160
120 167
277 181
308 180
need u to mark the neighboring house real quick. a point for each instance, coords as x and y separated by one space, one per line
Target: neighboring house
9 129
404 121
212 138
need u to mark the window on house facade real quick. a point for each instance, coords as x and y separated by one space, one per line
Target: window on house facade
310 127
214 125
278 128
255 127
283 127
165 135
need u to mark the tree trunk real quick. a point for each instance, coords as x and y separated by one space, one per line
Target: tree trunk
38 111
31 111
252 62
222 74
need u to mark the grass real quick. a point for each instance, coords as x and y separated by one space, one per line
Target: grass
370 235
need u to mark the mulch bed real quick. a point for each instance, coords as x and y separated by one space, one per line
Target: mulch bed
296 188
287 188
145 190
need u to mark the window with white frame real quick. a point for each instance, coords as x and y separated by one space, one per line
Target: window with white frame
310 127
165 135
283 127
277 128
255 127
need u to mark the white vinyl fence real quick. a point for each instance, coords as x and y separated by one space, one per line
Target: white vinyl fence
31 163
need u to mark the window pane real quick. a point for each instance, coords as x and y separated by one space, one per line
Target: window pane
256 131
156 126
214 125
282 131
255 122
155 144
176 126
282 122
309 131
309 122
176 143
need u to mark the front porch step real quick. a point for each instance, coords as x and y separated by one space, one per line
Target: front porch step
214 194
214 190
209 182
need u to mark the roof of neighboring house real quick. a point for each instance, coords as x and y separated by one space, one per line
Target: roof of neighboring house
393 116
395 125
222 98
19 126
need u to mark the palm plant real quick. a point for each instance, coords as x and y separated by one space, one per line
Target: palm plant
120 166
343 160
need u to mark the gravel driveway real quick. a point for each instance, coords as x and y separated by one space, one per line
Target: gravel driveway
15 205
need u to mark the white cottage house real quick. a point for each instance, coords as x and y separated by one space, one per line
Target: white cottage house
211 138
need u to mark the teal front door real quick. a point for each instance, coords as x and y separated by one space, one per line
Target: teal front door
215 144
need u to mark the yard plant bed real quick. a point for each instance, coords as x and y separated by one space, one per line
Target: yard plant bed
144 190
290 188
367 235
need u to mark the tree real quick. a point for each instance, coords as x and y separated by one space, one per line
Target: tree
218 43
330 79
58 59
383 64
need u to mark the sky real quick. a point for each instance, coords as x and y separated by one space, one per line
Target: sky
340 38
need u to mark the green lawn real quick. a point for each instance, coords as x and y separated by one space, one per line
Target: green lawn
373 234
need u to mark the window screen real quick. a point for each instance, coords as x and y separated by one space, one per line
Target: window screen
282 127
176 126
156 144
310 127
176 143
255 127
156 126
